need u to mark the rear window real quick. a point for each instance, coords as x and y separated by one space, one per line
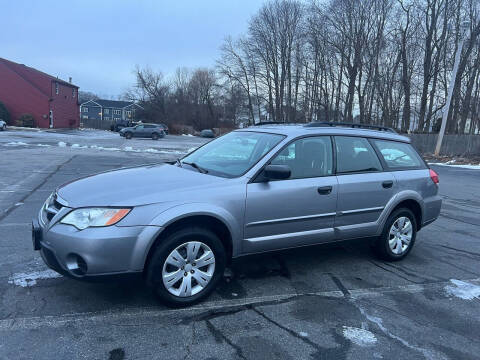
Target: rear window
399 155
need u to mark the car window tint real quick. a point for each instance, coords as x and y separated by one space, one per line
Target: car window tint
307 157
355 154
139 127
398 155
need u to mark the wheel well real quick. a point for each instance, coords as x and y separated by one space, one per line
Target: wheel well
204 221
414 206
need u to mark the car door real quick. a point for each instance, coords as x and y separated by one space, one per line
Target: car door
139 129
296 211
364 188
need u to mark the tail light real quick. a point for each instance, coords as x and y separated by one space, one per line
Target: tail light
434 176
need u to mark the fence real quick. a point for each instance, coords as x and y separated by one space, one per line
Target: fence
96 124
452 145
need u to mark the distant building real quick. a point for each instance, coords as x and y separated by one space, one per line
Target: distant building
52 102
109 110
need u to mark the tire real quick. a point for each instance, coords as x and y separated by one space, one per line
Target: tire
155 136
128 135
393 243
159 267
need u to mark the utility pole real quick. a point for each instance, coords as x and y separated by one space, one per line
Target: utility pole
450 94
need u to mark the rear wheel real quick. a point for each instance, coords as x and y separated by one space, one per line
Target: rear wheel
155 136
128 135
398 236
186 266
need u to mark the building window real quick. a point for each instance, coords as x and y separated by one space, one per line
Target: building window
84 109
56 88
84 116
106 118
116 119
73 93
129 113
107 111
117 112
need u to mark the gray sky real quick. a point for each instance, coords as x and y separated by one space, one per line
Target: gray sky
98 43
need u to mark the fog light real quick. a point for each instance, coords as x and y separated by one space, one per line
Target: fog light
76 265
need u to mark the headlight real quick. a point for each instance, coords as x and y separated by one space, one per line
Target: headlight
94 217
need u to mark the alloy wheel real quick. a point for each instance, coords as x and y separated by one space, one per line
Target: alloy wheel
188 269
400 235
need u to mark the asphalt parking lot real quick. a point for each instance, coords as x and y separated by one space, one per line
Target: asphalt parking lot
324 302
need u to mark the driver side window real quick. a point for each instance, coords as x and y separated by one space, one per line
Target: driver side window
307 157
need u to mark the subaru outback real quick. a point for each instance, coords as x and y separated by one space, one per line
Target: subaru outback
253 190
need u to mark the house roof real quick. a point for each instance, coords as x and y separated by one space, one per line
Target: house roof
34 76
111 103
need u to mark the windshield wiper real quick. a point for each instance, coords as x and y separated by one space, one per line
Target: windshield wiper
195 166
178 162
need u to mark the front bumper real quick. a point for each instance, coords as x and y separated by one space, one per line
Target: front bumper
94 252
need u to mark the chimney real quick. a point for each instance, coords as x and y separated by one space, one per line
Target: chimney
70 79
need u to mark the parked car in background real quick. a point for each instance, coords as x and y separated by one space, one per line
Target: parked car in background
120 124
165 128
207 133
180 224
3 125
154 131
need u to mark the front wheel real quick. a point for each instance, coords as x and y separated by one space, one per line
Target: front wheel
398 235
154 136
128 135
186 266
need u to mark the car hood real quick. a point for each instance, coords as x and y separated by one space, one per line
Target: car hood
135 186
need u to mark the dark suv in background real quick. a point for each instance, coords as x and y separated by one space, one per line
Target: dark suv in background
154 131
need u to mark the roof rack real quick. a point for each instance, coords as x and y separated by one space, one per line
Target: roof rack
261 123
352 125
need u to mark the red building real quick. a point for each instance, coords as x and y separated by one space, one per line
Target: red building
24 90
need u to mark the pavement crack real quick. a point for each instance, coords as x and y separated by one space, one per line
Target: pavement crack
394 273
460 250
340 285
290 331
220 337
462 221
38 186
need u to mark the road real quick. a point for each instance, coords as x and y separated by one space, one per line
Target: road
323 302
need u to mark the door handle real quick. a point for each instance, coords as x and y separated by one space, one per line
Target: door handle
324 190
387 184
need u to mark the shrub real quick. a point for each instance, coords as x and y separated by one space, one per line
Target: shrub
26 120
4 114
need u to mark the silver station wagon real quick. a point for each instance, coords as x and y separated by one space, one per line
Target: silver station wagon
253 190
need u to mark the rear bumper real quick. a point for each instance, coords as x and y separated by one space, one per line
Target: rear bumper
432 207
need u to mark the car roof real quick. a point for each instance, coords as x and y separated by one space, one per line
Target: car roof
298 130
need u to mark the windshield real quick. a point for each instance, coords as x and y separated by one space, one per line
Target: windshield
233 154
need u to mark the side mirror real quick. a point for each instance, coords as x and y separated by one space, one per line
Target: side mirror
277 172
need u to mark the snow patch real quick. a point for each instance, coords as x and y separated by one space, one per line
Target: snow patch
464 166
78 146
62 144
43 145
16 143
303 334
187 135
463 290
360 337
30 279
